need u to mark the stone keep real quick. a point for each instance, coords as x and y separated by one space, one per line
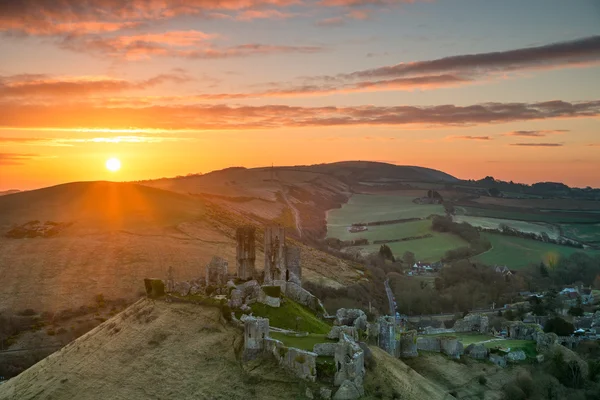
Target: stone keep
349 363
294 269
246 252
275 252
216 272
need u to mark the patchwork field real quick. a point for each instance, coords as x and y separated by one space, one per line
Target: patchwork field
523 215
518 252
372 207
522 226
588 233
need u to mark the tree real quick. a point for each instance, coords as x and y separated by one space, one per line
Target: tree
494 192
543 270
386 253
409 258
559 326
597 282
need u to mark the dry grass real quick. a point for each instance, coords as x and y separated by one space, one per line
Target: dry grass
152 350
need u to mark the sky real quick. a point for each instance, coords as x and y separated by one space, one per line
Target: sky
509 89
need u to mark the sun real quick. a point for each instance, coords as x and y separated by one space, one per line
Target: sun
113 164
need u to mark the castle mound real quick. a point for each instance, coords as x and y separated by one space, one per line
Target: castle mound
156 350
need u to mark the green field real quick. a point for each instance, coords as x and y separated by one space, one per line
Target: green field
524 216
292 316
522 226
589 233
427 250
528 346
304 343
382 232
467 338
371 208
517 252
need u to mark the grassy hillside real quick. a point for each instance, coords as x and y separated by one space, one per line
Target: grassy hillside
163 351
518 252
108 205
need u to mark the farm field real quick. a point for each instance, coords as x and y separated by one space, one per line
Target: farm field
518 252
382 232
466 338
426 250
372 207
589 233
522 226
525 216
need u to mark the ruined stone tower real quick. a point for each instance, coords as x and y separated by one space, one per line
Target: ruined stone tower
275 253
246 252
170 287
294 268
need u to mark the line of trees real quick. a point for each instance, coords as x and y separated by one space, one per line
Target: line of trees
477 244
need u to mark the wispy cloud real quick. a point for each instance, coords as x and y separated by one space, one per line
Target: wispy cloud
538 133
538 144
468 137
19 115
16 158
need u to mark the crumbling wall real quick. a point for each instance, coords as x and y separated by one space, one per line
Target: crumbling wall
387 335
477 351
519 330
303 296
408 345
337 330
350 363
216 272
472 323
256 330
428 344
246 252
301 363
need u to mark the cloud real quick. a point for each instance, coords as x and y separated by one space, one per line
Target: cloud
536 133
15 158
219 116
538 144
182 44
342 19
36 86
469 138
250 15
561 54
594 145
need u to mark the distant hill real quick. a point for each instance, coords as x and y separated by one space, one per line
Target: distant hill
9 192
100 205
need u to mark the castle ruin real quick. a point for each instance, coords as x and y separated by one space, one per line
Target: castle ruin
246 252
275 254
216 272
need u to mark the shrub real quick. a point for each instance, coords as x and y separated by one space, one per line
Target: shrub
154 288
272 291
61 331
50 332
559 326
482 380
513 392
226 311
28 312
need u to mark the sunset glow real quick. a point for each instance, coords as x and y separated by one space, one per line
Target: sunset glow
512 86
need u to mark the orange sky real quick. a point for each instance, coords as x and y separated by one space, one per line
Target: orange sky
472 89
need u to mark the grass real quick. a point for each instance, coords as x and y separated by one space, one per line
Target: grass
428 249
304 343
563 217
466 338
528 346
518 252
286 317
584 232
370 208
522 226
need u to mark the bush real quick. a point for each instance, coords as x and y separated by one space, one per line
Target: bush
482 380
513 392
28 312
272 291
559 326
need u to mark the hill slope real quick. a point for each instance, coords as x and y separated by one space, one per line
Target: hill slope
100 205
164 350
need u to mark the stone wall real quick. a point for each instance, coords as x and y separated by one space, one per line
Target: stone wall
350 363
472 323
246 252
303 296
477 351
519 330
301 363
216 272
387 335
408 345
428 344
436 331
256 330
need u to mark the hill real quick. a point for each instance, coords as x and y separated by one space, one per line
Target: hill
183 351
100 205
112 235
